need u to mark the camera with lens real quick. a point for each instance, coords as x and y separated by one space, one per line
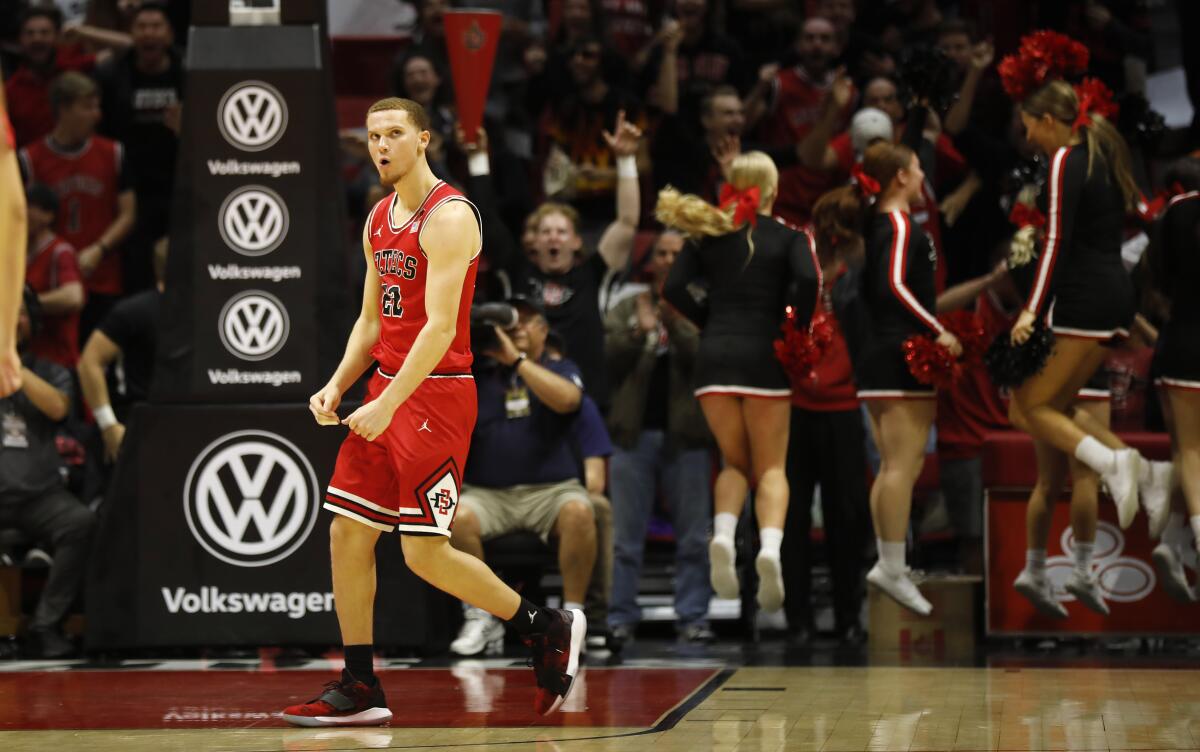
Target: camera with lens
486 316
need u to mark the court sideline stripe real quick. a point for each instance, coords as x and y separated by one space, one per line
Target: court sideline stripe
667 722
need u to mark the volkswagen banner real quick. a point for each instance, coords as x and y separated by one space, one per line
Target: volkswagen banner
257 295
215 535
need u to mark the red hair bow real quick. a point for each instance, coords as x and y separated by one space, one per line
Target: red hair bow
1093 96
867 185
1023 215
745 203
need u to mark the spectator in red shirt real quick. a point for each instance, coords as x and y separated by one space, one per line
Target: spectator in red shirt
29 86
52 271
788 102
98 207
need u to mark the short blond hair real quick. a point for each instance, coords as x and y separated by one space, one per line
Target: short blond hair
416 112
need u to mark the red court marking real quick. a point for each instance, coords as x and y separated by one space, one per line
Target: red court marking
626 697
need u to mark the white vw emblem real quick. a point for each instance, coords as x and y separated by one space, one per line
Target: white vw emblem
253 220
250 498
253 325
252 115
1123 579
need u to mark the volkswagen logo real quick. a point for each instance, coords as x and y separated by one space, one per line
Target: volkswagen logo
253 220
250 498
252 115
1122 579
253 325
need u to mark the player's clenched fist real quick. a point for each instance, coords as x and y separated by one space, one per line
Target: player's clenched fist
371 419
324 405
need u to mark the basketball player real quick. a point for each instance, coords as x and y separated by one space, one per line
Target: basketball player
12 254
401 466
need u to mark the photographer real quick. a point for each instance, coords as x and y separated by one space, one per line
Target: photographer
521 473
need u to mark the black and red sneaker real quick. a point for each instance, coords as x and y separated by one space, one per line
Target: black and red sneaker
348 702
556 657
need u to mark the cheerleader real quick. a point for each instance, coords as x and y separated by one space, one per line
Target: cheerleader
1175 264
734 279
1086 296
896 298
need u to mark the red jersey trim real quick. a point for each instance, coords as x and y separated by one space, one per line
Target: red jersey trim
897 266
391 221
438 205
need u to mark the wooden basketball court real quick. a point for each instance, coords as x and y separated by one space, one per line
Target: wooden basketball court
689 708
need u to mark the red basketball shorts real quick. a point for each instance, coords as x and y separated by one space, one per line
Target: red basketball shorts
408 478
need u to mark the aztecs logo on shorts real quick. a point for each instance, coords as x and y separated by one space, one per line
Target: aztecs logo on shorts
438 495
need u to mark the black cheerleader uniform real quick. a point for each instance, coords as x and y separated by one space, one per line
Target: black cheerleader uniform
738 299
1178 356
1080 283
898 294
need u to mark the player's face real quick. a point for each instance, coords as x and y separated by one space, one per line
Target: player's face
395 143
38 38
555 244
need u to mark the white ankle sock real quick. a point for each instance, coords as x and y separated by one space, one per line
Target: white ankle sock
891 556
1035 560
725 525
1083 557
1095 455
769 539
568 605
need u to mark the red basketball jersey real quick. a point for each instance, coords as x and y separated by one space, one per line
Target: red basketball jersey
402 266
50 266
87 183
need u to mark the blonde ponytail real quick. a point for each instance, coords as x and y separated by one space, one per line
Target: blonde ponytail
692 215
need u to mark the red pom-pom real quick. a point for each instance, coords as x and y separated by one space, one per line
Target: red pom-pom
1094 96
970 332
799 350
930 363
1042 56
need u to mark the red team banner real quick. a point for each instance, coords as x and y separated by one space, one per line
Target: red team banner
471 40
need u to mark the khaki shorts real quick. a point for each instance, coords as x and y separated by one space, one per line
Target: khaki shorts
532 507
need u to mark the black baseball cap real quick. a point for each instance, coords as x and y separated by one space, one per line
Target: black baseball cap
521 300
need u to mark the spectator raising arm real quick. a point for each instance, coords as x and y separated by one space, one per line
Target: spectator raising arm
959 115
98 353
814 150
617 241
665 93
761 99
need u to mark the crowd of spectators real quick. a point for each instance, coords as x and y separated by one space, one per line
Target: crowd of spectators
594 106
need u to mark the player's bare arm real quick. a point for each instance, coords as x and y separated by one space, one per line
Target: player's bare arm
450 239
12 257
617 241
357 358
